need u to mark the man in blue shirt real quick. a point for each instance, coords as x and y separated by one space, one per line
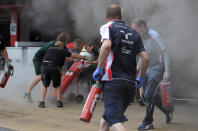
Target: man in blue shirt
117 67
158 69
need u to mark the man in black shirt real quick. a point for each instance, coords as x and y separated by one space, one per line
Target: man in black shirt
50 70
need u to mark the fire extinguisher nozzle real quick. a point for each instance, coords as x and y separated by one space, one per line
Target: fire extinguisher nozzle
85 120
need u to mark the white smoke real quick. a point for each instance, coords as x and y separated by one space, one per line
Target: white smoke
88 16
175 20
22 76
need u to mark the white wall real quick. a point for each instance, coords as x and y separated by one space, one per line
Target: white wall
23 75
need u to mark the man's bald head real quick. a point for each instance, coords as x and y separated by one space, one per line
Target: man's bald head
113 12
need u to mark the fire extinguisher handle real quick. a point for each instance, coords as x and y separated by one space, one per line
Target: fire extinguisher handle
97 82
11 71
99 85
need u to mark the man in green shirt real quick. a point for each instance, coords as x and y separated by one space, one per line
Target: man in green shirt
37 60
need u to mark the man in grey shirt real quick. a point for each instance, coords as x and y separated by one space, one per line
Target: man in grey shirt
158 69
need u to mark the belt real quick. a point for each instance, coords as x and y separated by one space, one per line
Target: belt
48 63
45 61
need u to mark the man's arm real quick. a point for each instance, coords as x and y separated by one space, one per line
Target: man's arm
104 52
161 43
5 55
94 62
167 65
77 56
144 62
138 66
142 67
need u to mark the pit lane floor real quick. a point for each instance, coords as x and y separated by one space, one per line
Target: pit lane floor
28 117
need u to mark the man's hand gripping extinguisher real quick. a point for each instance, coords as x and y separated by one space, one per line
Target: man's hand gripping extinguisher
91 102
6 76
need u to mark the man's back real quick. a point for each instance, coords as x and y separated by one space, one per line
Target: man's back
41 52
154 45
126 44
56 56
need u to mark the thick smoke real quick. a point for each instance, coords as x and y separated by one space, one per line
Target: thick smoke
50 16
175 20
78 17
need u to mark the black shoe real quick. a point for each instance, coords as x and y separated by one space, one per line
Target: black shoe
41 104
169 115
59 103
28 97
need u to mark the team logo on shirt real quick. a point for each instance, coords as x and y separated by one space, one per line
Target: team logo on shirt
126 38
126 34
125 51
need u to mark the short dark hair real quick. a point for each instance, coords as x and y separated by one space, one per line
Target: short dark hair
113 12
88 42
139 22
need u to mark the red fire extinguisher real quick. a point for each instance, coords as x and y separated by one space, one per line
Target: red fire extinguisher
166 93
69 76
6 76
91 102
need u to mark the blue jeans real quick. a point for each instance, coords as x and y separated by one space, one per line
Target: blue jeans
152 93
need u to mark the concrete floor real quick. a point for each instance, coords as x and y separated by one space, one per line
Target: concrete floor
28 117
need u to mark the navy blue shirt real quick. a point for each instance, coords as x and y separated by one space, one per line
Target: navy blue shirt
126 44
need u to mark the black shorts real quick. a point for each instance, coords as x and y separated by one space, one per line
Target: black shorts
50 73
117 96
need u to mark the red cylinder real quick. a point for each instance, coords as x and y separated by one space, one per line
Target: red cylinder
166 93
90 103
69 76
5 79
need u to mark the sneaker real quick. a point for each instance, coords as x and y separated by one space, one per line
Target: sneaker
141 102
28 97
59 103
169 115
146 127
41 104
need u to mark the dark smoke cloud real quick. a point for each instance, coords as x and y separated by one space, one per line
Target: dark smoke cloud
79 17
50 16
176 20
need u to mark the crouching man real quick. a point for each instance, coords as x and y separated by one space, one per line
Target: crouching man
51 70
